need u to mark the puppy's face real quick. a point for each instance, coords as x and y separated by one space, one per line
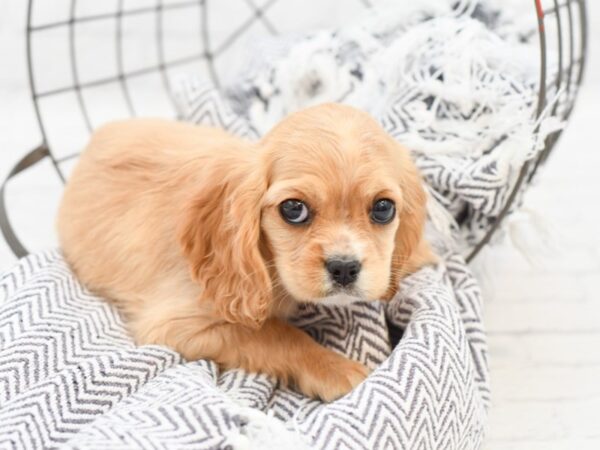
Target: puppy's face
333 212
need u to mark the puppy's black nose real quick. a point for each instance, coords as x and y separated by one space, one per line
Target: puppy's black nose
343 271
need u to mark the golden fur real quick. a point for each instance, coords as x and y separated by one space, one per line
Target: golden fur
180 225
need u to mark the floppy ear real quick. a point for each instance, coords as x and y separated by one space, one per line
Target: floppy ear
219 234
411 250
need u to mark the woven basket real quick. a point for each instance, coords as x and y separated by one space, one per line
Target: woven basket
99 61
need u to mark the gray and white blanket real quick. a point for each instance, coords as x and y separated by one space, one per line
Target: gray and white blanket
453 81
71 377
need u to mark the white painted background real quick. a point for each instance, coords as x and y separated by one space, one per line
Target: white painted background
543 321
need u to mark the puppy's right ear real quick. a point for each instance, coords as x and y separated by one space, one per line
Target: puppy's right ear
219 233
411 250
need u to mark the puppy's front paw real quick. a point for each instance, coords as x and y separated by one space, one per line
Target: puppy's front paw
331 376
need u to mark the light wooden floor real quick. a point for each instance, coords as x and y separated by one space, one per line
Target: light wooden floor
543 321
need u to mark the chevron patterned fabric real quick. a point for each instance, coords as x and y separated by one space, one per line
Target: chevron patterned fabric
454 81
70 376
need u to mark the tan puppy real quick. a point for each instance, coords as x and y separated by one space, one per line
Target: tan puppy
207 242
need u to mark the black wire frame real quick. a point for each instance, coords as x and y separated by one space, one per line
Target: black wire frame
564 83
568 79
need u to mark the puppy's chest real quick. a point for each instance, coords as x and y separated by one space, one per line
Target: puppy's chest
284 307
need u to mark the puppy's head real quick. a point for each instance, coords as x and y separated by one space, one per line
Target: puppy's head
329 207
344 210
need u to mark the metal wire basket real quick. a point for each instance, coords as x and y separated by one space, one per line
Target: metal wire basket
203 36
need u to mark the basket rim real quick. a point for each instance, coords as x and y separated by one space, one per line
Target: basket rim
526 173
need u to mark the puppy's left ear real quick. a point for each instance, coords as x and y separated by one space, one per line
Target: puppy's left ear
220 233
411 250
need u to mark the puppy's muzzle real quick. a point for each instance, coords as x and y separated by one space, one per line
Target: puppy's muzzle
343 271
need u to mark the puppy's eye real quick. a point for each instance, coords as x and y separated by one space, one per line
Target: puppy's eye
294 211
383 211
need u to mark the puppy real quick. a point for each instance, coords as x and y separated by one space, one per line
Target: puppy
208 242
